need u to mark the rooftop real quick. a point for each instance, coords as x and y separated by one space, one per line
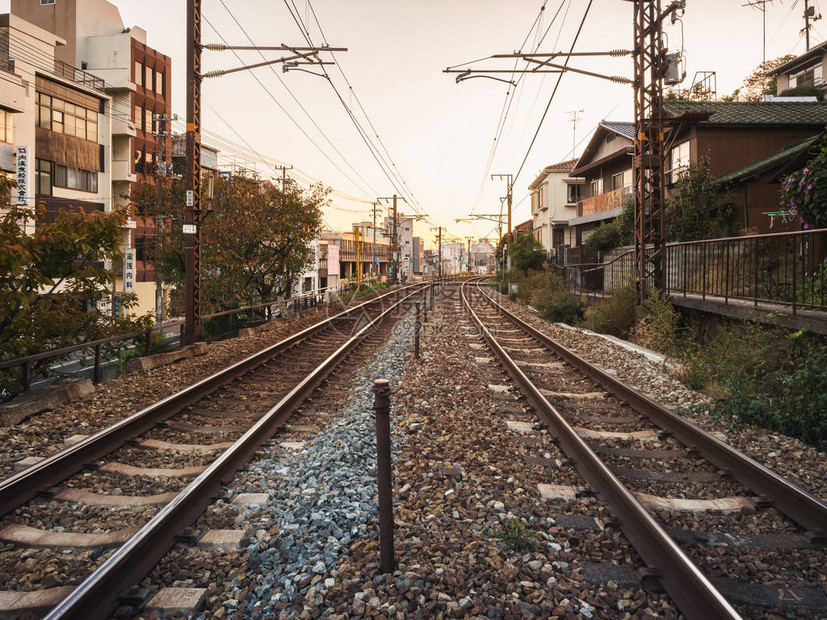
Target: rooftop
749 112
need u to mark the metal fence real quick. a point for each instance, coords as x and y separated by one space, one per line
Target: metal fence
781 269
216 326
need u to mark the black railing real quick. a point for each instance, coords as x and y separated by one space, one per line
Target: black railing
781 269
217 325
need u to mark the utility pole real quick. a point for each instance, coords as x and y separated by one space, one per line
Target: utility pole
761 5
809 15
193 327
394 261
373 265
651 63
439 254
283 179
469 239
575 116
160 136
509 180
358 259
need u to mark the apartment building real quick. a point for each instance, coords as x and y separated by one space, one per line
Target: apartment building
137 80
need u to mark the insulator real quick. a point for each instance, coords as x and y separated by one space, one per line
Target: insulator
617 53
619 79
214 47
213 74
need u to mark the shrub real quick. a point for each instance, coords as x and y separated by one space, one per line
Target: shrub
546 291
659 328
614 315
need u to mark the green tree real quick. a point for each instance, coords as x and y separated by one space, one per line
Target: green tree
620 231
255 238
804 192
52 277
527 253
758 82
697 210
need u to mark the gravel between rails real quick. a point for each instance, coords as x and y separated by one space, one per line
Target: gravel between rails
801 464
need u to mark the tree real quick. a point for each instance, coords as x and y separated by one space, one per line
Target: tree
697 210
758 82
52 280
620 231
255 238
526 253
804 192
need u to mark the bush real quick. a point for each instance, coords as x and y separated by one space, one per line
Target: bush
547 293
614 315
659 328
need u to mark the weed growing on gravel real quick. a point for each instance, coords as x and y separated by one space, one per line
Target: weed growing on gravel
614 315
517 536
546 291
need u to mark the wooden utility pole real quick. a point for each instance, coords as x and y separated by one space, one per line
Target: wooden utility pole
393 264
439 252
193 327
809 15
373 266
469 239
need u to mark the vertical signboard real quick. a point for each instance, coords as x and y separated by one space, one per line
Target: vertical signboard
22 175
129 272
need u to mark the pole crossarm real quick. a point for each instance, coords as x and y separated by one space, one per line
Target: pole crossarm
309 58
542 64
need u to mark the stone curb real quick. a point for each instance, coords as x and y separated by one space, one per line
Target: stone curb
44 400
149 362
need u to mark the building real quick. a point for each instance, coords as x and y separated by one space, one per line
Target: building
606 171
483 257
138 80
804 70
418 256
453 258
56 135
554 198
734 136
405 237
356 254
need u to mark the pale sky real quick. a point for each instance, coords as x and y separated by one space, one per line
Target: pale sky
439 133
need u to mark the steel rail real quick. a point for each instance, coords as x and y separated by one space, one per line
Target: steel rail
97 596
800 506
21 487
696 597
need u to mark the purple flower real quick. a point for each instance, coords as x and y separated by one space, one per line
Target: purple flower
810 186
806 226
806 170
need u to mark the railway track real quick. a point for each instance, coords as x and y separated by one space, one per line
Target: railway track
719 532
139 483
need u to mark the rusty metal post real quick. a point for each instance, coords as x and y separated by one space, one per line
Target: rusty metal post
425 307
432 297
384 481
96 374
417 329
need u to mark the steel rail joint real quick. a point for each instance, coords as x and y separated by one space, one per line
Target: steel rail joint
800 506
97 595
22 486
696 597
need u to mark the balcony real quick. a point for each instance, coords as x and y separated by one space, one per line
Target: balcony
122 126
122 171
78 76
603 202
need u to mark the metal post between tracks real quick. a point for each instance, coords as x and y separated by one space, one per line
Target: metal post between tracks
384 481
425 307
417 328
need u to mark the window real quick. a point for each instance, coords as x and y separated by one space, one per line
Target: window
46 2
148 78
139 74
43 177
574 192
596 187
540 198
149 126
75 178
139 162
678 162
67 118
806 77
159 82
6 125
622 180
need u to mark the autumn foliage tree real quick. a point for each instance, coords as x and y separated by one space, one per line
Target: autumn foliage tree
255 238
52 276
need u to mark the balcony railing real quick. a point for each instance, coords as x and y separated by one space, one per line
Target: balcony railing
781 269
78 76
603 202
